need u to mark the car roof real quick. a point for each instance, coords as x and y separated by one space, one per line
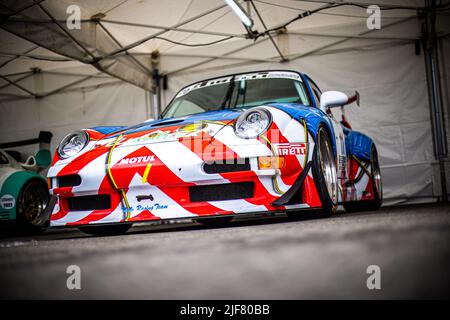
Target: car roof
247 72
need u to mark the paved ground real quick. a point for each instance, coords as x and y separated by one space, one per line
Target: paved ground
271 259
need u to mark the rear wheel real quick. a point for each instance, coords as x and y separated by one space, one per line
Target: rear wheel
31 205
377 187
325 172
109 230
215 222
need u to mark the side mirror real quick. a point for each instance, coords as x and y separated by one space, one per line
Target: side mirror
331 99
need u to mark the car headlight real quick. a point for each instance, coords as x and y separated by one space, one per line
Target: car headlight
72 144
252 123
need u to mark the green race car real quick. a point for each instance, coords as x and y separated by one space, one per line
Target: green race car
23 191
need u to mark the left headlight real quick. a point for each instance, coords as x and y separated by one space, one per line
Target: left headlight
252 123
72 144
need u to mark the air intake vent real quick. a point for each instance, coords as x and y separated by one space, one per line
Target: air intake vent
165 123
72 180
87 203
218 192
238 165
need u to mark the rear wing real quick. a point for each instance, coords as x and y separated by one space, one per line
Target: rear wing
40 160
354 98
44 139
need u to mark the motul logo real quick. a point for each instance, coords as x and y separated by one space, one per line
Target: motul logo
287 149
136 160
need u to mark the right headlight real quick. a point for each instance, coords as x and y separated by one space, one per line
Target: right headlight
252 123
72 144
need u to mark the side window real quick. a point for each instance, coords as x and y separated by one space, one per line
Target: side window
302 93
185 107
316 93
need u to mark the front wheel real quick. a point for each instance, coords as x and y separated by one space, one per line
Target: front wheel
325 172
377 187
109 230
31 205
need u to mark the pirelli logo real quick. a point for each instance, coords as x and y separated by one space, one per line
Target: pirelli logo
289 149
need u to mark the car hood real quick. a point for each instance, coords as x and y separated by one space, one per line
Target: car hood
199 126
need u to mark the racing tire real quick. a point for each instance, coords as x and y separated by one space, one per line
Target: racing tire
215 222
375 179
109 230
31 204
325 172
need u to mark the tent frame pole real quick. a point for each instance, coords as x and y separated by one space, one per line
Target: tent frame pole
282 57
71 84
14 83
29 74
148 38
349 38
67 33
18 56
430 45
28 6
177 29
215 58
113 38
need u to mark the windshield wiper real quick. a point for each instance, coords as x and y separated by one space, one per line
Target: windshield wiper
229 93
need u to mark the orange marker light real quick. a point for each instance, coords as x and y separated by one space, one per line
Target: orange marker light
270 163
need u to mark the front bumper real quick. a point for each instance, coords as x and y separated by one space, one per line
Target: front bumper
156 181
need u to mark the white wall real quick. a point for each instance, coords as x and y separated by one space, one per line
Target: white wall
121 104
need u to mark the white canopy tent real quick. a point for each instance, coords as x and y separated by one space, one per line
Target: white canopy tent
131 56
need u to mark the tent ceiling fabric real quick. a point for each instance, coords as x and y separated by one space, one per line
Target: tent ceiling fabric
145 26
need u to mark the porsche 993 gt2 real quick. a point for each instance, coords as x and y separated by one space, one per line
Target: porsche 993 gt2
251 143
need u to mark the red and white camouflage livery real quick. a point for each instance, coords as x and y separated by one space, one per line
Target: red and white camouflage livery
268 153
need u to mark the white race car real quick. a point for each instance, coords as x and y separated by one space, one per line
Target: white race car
251 143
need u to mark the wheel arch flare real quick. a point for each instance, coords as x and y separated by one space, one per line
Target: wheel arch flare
295 127
313 118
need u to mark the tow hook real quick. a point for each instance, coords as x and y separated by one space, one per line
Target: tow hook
144 197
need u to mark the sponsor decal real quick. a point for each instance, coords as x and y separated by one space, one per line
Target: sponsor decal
151 207
192 128
110 142
189 130
240 77
289 149
157 135
7 202
342 166
136 160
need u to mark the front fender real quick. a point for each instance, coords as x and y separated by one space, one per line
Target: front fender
313 117
359 145
10 191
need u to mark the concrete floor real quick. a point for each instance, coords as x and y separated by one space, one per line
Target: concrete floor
274 258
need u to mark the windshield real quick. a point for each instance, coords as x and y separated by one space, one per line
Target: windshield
238 91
